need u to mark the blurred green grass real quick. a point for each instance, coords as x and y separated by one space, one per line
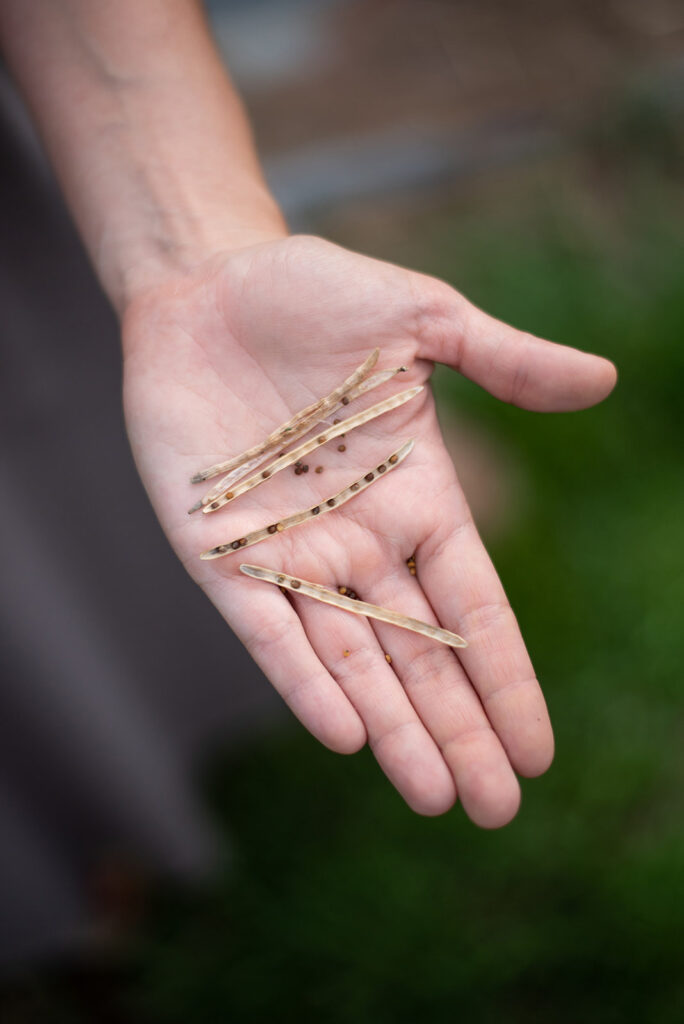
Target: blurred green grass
339 904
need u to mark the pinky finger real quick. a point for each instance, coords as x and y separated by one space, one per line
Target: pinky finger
276 640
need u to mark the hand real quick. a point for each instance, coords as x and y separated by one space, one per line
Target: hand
217 359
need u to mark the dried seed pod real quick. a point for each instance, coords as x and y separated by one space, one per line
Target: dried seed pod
297 454
371 611
304 419
242 465
302 517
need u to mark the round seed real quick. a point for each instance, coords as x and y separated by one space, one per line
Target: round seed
393 459
272 528
335 422
354 487
229 495
235 545
281 579
341 590
345 400
382 468
330 502
388 659
265 475
214 504
242 542
341 447
321 439
305 469
369 477
315 510
295 584
345 654
279 527
319 469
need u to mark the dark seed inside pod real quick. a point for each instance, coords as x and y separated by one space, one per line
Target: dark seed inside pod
316 510
321 439
235 545
281 579
354 487
221 549
335 422
265 475
369 476
393 459
272 528
382 468
214 504
330 502
295 584
345 400
242 542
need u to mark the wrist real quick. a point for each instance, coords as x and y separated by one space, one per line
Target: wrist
181 237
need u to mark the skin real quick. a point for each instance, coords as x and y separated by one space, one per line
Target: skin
230 326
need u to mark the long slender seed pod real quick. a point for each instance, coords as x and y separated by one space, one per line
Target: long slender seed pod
348 604
283 434
294 456
343 496
237 474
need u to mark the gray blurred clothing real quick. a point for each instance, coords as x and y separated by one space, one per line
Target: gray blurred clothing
105 702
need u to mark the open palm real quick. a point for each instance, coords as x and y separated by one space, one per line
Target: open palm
214 362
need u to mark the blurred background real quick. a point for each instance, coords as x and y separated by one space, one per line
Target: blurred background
530 152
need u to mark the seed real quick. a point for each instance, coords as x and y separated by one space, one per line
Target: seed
392 459
388 659
229 495
235 545
354 487
298 471
319 469
330 502
281 579
279 527
341 447
369 477
295 584
345 400
214 504
335 422
382 468
412 571
345 654
321 439
272 528
305 469
221 549
315 510
242 542
341 590
265 475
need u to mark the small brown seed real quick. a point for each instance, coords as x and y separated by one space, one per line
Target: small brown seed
354 487
345 654
265 475
281 579
341 447
229 495
221 549
321 439
335 422
345 400
369 476
315 510
382 468
412 571
388 659
295 584
319 469
393 459
341 590
330 502
272 528
279 527
235 545
242 542
214 504
305 469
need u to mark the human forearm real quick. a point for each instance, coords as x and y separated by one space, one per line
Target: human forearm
145 131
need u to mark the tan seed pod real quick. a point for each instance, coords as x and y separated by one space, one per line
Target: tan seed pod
371 611
346 494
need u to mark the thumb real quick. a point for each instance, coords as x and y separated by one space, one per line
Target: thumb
512 365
